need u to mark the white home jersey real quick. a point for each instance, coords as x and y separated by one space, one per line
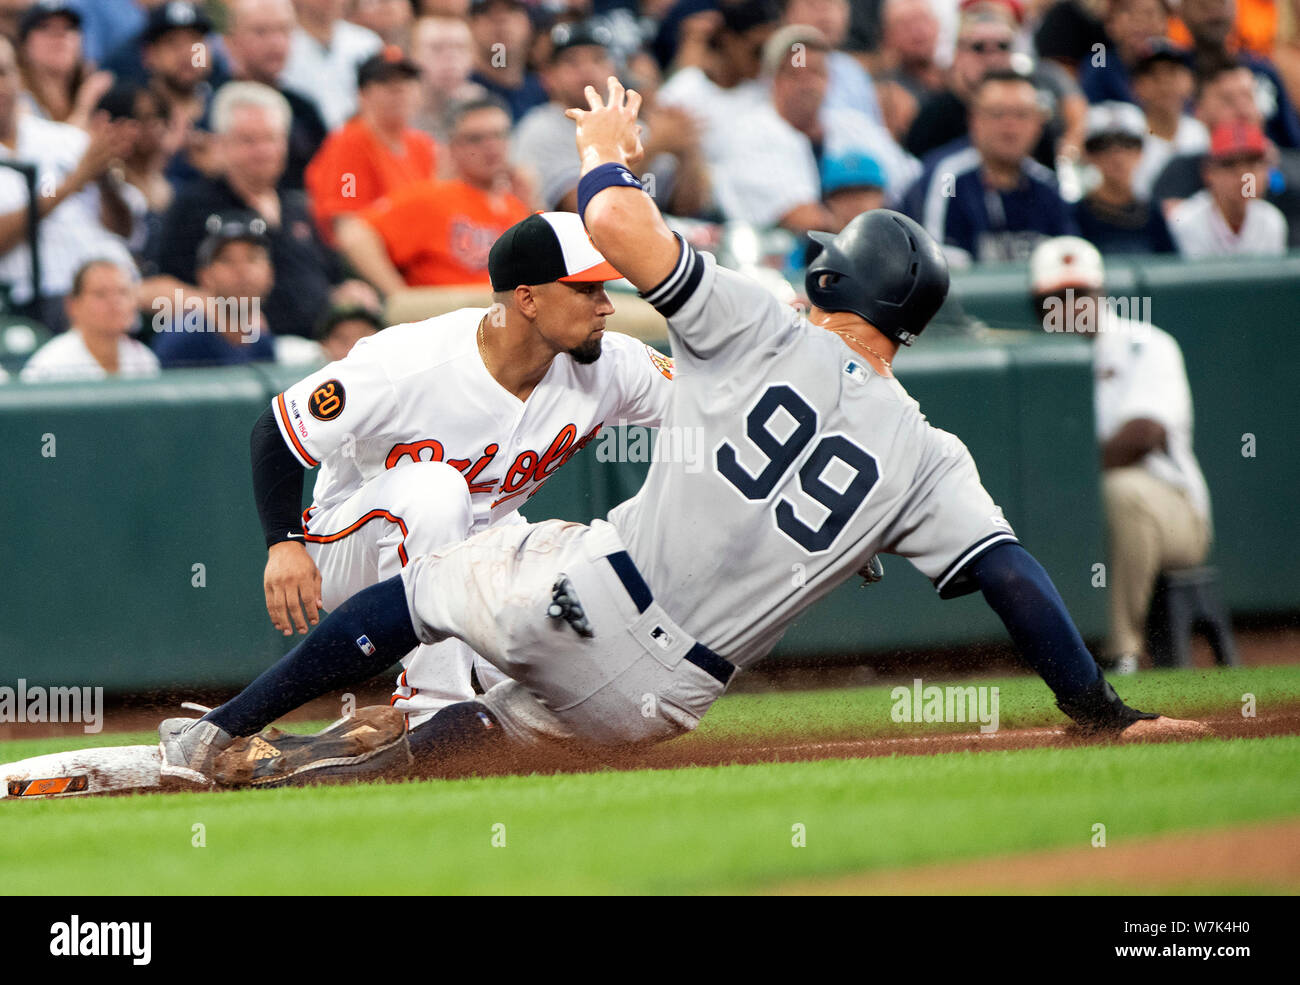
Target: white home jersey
813 463
420 392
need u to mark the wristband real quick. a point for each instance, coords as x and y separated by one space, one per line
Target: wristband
601 177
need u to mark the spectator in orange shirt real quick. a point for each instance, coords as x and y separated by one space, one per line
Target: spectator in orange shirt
1255 27
438 233
377 152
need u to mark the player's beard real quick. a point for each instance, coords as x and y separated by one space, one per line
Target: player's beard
588 352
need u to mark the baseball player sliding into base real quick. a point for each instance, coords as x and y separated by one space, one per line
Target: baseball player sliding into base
488 402
627 630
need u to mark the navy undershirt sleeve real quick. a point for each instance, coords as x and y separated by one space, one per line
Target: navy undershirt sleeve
277 481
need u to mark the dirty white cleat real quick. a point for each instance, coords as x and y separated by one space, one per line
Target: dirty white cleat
1157 729
189 748
1127 664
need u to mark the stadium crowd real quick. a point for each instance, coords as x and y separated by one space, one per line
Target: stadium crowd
251 180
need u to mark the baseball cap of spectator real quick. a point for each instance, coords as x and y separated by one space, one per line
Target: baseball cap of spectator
38 13
351 312
852 169
386 65
574 35
1113 121
1158 50
776 51
740 17
1063 262
1013 7
175 15
1237 140
546 247
222 230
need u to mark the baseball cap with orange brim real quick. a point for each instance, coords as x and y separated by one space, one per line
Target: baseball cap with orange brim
547 247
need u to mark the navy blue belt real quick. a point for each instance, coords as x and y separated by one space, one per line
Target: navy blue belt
719 668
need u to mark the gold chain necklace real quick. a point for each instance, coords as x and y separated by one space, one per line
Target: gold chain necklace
482 351
846 336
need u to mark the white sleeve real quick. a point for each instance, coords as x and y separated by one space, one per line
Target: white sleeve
644 378
950 519
709 308
348 400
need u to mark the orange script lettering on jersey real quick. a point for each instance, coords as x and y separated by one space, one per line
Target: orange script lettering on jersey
530 468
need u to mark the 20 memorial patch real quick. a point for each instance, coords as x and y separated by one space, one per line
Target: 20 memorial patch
327 400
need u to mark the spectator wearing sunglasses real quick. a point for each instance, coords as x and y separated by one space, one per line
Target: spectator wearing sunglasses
986 43
1112 216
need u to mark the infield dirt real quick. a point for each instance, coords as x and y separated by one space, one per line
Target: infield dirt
1263 857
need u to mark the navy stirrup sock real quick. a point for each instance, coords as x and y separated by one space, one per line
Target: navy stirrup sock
362 637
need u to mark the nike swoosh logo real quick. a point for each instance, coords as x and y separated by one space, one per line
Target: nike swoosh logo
359 730
296 536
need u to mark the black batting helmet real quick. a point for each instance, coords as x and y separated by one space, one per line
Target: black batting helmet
883 267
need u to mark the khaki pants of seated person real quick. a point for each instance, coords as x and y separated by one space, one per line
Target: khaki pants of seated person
1152 528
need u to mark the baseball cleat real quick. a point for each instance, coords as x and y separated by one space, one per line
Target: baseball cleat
189 748
366 745
1161 728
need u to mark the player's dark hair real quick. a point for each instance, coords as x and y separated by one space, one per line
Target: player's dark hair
79 278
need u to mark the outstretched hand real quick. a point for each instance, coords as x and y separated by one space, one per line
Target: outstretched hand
608 131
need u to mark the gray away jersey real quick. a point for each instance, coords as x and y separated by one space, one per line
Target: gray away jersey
811 462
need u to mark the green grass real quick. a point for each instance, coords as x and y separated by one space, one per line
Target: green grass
722 829
695 830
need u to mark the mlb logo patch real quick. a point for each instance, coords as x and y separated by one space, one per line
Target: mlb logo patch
662 637
856 370
367 647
